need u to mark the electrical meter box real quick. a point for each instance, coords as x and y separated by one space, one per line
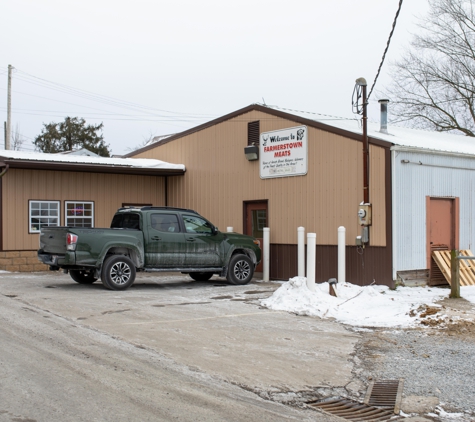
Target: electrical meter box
364 214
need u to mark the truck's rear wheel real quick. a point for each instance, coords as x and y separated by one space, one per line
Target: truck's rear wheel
118 272
82 276
201 276
240 269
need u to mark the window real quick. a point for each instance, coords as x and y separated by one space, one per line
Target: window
43 214
197 225
126 221
79 214
165 223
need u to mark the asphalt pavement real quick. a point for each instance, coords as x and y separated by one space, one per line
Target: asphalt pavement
168 348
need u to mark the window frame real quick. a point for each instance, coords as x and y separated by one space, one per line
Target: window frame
30 216
66 217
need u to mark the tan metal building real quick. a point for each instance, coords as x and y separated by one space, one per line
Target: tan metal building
38 189
221 184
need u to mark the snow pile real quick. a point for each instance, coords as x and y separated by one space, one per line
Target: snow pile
369 306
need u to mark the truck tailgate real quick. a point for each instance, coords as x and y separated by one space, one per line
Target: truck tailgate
53 239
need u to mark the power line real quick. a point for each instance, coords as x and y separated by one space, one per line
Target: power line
386 49
26 77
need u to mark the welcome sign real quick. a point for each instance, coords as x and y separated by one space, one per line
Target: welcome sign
283 152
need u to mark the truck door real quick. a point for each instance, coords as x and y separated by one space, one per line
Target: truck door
165 243
203 244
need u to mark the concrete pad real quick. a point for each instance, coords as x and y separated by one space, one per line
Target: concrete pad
211 327
419 404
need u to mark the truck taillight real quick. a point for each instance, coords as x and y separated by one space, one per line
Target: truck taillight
71 241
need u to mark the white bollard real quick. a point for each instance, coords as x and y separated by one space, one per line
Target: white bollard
301 251
311 258
230 229
266 252
341 254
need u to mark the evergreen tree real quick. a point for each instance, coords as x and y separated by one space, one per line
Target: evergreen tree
71 134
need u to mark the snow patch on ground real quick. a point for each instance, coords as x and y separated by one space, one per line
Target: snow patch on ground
368 306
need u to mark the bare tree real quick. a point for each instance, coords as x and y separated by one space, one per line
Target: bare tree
434 83
17 139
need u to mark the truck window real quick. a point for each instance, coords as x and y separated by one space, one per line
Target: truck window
165 223
195 224
126 221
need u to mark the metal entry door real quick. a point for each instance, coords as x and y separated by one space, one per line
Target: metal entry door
441 233
255 221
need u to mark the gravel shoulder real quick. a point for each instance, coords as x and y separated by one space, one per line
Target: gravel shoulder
436 362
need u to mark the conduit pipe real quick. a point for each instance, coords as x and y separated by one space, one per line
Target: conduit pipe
341 254
311 252
266 252
301 251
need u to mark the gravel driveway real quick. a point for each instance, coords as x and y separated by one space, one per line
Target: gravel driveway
436 362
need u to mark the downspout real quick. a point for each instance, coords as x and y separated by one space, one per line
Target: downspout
1 205
4 171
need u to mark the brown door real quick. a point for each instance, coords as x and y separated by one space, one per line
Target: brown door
441 233
255 221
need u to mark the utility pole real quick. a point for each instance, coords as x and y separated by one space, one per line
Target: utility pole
362 83
9 108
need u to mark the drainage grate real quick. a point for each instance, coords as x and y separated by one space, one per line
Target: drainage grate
382 401
386 393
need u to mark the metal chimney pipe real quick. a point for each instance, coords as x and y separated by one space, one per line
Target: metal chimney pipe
384 116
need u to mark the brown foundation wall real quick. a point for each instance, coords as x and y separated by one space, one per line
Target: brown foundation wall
362 266
21 261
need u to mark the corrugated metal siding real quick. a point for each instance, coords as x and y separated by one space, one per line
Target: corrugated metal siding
107 191
219 179
438 176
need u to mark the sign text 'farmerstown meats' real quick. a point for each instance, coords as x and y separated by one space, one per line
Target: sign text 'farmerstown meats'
283 152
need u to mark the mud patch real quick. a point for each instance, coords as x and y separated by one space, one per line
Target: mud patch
119 311
222 297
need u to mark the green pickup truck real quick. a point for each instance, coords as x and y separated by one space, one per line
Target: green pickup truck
149 239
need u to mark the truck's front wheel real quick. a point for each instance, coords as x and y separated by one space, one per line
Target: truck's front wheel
118 272
240 269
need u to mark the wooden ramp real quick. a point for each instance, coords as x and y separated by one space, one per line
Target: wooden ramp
467 266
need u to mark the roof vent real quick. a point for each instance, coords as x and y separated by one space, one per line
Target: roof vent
384 116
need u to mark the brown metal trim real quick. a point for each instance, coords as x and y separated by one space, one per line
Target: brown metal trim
456 223
389 211
277 113
1 213
88 168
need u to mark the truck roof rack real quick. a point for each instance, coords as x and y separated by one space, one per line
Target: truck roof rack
147 207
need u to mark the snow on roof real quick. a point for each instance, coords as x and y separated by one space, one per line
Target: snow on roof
145 163
400 136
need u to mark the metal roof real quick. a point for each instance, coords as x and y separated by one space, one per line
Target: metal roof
68 162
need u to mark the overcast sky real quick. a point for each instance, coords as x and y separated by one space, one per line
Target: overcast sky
153 67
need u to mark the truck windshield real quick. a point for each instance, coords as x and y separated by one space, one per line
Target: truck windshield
126 221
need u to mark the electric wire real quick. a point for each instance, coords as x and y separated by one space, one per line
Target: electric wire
26 77
386 49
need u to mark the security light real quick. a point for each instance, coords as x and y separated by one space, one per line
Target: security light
251 152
